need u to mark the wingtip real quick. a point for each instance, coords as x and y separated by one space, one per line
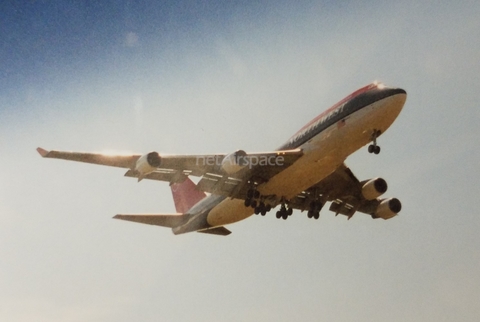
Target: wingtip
42 152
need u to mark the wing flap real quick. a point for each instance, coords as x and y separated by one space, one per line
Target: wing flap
343 208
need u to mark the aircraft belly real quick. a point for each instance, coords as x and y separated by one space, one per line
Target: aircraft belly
324 153
227 212
320 159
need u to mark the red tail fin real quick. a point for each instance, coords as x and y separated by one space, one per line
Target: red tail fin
186 195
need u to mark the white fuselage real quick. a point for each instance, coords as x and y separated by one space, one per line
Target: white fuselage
323 154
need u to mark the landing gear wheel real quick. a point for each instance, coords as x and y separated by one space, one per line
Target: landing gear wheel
248 202
279 214
253 204
373 149
262 209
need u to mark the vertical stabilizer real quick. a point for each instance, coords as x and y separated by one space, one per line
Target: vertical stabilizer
186 195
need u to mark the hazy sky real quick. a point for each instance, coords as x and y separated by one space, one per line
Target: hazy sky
205 77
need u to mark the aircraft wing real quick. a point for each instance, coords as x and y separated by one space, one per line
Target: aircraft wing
175 168
343 190
122 161
214 179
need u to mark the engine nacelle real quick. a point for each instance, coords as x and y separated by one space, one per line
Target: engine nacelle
388 208
148 163
234 162
374 188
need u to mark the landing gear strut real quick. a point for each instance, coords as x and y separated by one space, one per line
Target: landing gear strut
374 148
314 210
252 195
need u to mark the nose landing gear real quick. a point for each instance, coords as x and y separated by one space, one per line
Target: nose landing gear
374 148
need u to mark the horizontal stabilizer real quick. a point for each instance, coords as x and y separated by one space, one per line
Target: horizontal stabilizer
216 231
164 220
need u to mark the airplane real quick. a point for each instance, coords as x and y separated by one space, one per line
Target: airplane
304 173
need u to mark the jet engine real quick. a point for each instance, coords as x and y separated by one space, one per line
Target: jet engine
388 208
148 163
374 188
234 162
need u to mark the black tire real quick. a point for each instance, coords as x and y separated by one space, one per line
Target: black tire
371 148
278 215
377 150
247 202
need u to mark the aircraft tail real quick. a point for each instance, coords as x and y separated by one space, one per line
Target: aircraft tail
186 195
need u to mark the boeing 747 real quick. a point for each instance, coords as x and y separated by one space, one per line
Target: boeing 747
305 173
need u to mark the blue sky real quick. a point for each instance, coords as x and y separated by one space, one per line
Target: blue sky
205 77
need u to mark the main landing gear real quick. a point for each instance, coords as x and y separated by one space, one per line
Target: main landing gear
284 212
314 210
252 196
257 202
374 148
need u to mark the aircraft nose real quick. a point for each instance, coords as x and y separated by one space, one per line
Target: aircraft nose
395 91
396 97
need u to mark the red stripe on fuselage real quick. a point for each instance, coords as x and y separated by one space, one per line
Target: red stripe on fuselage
349 97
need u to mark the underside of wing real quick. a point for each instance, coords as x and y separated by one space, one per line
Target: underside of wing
175 168
217 175
348 195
